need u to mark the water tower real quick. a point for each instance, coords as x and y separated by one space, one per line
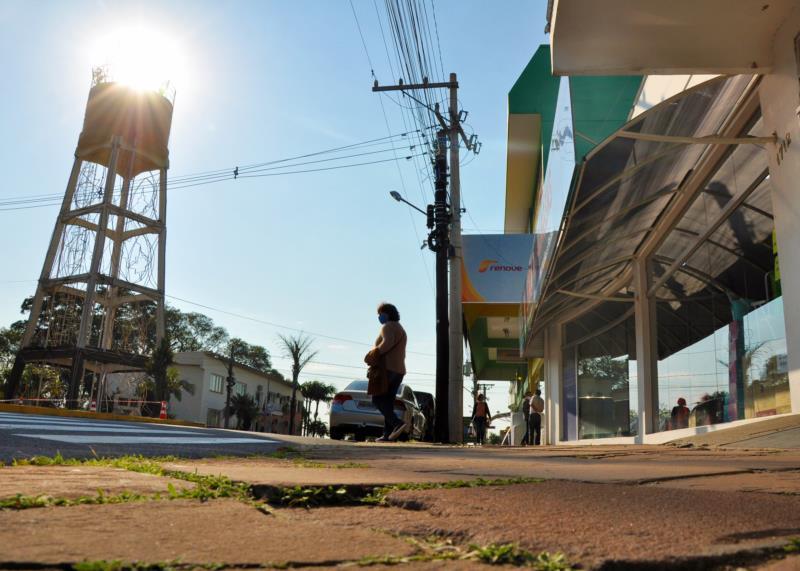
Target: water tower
99 304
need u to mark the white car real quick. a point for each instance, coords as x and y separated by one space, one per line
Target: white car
352 412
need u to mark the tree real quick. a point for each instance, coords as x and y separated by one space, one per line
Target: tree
175 386
158 368
194 331
254 356
298 349
317 428
317 392
245 408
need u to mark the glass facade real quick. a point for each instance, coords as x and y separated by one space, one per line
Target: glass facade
600 375
720 335
740 371
691 225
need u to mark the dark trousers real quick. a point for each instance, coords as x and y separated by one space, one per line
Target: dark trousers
536 428
480 428
526 438
385 403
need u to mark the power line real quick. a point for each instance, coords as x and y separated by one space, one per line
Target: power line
388 130
341 365
250 171
281 326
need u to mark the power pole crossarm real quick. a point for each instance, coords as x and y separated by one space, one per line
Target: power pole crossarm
409 86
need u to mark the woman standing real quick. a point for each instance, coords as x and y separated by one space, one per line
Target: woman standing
481 418
391 346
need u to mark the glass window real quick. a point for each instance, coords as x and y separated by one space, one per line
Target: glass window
216 384
599 377
240 389
604 389
720 324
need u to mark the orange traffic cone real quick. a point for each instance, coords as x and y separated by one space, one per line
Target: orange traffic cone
93 407
163 414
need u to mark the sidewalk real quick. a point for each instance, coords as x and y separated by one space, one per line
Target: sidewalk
413 506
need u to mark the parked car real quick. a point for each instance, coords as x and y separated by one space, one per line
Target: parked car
352 412
427 404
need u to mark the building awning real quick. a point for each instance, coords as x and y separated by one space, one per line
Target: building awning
621 37
493 270
633 188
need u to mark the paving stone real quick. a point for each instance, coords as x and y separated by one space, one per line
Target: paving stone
590 523
224 531
75 481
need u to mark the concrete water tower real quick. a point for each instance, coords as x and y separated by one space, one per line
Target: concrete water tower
99 305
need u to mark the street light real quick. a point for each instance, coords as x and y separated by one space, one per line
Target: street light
399 198
438 220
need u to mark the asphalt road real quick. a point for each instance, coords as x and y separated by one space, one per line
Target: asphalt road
26 435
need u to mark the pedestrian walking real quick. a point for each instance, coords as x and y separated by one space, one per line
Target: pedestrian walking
537 408
679 418
387 369
526 415
481 418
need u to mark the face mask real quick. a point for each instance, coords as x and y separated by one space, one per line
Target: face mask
383 318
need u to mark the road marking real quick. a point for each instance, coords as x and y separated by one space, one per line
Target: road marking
110 439
58 420
61 428
44 420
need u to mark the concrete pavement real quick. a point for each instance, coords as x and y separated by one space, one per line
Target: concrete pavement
414 505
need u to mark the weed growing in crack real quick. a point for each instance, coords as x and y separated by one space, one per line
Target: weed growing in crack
311 496
379 495
512 554
793 546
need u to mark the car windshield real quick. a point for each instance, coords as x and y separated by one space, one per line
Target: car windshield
357 386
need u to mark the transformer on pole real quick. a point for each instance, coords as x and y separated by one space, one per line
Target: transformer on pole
99 304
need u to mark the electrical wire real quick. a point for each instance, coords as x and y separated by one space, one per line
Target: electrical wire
280 326
22 203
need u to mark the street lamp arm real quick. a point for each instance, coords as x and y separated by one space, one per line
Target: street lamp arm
399 198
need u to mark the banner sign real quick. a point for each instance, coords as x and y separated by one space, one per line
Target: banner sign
494 267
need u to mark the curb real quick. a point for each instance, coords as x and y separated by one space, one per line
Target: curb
46 411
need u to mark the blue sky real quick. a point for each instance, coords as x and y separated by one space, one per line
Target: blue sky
263 81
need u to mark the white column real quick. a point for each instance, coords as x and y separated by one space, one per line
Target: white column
646 355
780 106
552 383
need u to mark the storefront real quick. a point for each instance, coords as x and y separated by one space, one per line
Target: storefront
660 289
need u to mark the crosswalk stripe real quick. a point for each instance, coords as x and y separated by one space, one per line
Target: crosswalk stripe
61 428
55 420
110 439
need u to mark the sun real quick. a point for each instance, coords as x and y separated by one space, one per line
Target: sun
140 57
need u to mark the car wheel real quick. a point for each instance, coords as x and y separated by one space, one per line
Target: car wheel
359 436
337 434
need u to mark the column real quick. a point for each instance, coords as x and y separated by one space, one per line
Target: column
646 351
780 107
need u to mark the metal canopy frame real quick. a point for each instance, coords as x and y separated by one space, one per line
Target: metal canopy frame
740 93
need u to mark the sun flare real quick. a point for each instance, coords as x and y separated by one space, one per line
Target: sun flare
141 57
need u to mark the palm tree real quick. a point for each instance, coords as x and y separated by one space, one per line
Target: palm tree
157 368
298 349
306 389
245 408
316 391
318 428
320 392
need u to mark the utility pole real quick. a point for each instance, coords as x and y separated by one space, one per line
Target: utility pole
456 399
229 384
439 242
447 239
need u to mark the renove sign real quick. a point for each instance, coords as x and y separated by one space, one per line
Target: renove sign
494 267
